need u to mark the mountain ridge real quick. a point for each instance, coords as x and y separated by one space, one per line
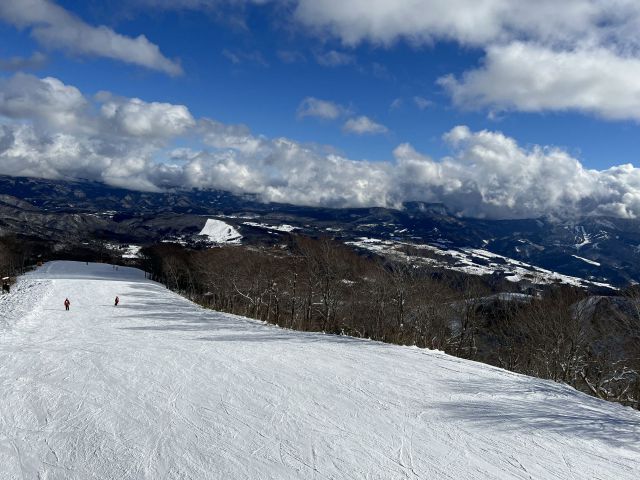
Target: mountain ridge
599 249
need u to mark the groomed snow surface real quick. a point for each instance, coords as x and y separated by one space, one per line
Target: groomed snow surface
159 388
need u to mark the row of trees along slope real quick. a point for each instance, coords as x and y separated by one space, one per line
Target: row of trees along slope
562 334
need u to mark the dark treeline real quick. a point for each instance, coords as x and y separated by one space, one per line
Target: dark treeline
17 255
321 285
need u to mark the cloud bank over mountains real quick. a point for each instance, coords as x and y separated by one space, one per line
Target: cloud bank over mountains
52 130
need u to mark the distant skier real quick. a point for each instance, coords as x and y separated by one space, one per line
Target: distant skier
117 301
67 303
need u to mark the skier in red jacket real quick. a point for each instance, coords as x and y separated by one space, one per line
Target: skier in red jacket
67 303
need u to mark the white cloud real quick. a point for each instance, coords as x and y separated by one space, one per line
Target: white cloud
55 107
52 130
196 4
232 137
381 21
238 57
421 102
469 22
17 63
542 55
54 27
49 129
135 117
45 100
363 125
490 175
290 172
380 71
314 107
473 22
396 103
589 48
532 78
333 58
291 56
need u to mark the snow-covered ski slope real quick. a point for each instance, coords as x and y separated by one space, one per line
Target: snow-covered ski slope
159 388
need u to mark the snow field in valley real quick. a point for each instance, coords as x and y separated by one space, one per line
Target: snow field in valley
159 388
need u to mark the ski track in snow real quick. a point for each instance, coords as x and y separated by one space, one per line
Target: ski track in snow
159 388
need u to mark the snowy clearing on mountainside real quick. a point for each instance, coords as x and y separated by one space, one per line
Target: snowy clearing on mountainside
473 261
218 231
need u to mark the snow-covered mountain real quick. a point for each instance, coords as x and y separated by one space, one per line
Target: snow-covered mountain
161 388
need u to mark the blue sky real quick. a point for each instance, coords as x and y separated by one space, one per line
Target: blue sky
266 96
392 74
